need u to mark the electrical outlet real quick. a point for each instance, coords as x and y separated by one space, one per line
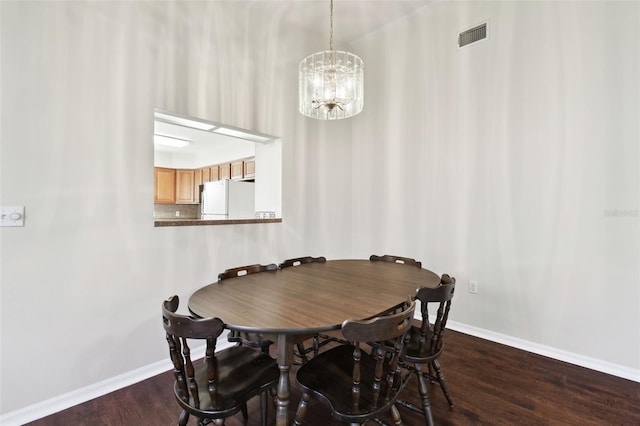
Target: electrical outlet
177 213
473 287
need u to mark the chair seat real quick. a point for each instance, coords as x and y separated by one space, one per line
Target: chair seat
416 351
329 376
240 370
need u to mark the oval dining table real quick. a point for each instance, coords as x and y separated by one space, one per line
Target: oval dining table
292 304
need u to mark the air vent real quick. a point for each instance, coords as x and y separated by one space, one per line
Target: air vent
472 35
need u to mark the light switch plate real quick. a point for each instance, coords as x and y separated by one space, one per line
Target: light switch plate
12 216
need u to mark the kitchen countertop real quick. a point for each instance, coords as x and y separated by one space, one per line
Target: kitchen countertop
201 222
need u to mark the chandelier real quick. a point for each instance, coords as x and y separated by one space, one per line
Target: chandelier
331 83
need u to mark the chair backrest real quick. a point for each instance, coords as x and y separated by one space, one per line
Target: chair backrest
388 332
179 329
396 259
246 270
431 342
301 261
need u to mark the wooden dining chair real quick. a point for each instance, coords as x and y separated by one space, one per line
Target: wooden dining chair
221 384
241 271
254 340
395 259
354 385
316 339
424 344
297 261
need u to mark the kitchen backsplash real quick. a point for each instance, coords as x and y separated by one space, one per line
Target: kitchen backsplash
168 211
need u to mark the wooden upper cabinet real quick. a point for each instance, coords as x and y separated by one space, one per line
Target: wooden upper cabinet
214 172
237 170
249 168
164 185
206 174
225 171
185 187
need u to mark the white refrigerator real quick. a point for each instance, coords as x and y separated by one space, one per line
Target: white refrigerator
228 199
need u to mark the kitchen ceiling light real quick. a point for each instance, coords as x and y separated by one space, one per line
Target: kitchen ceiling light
331 83
170 141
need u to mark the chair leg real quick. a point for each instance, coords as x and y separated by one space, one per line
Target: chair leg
302 409
263 408
184 418
302 352
316 345
443 382
245 414
426 404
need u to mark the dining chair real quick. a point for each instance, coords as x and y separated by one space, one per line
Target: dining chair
245 338
219 385
355 385
241 271
317 343
297 261
396 259
424 344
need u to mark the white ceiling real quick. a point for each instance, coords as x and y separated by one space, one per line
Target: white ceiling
352 19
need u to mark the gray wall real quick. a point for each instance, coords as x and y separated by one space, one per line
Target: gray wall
513 162
496 163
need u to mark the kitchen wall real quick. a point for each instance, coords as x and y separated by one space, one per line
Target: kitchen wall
501 163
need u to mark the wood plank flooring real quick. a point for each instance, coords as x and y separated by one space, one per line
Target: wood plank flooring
490 384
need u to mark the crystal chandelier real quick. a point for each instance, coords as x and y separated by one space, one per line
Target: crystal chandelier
331 83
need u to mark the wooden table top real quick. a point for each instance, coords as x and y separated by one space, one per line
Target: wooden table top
310 298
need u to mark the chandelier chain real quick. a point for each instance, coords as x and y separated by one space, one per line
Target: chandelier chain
331 28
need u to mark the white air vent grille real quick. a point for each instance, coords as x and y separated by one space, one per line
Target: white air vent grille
472 35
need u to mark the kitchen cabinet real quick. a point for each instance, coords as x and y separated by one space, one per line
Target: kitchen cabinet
164 185
176 186
237 170
225 171
185 187
214 172
206 173
250 168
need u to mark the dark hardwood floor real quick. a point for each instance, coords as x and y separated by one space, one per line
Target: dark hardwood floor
490 384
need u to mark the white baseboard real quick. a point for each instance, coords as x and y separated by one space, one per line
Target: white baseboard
87 393
548 351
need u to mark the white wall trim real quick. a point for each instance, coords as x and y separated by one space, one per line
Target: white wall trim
87 393
548 351
70 399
